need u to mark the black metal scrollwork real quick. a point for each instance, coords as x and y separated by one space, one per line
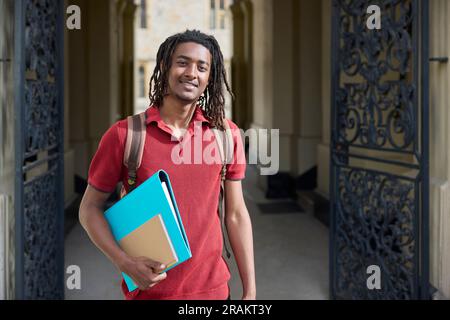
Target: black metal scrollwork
375 216
375 212
41 135
40 250
376 106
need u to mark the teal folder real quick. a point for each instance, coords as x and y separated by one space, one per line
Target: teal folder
150 205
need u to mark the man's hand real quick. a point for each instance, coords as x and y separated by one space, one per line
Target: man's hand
145 272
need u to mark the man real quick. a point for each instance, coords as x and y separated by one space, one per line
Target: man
185 88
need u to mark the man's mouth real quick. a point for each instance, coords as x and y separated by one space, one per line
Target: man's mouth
189 84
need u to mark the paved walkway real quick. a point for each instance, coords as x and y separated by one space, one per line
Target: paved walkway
291 255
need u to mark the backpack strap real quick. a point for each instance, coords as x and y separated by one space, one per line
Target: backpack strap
134 148
226 148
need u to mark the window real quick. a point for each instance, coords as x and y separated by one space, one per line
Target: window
212 15
141 82
144 14
217 14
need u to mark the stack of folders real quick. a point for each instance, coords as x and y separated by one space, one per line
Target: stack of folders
147 223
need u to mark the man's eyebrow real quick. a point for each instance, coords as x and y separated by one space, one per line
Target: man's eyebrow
187 58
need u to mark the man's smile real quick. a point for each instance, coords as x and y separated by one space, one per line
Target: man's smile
189 84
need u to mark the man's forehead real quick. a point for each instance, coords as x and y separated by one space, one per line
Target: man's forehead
192 51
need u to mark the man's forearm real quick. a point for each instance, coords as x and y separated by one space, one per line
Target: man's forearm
100 234
239 230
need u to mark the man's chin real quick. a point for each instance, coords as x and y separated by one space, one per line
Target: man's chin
186 99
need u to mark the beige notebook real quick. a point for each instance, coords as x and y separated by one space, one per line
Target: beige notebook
150 240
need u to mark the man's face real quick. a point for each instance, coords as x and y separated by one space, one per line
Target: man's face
189 73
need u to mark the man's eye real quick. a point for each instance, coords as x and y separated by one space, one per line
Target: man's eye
182 63
203 69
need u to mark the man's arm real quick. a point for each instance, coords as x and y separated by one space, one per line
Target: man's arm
142 270
239 228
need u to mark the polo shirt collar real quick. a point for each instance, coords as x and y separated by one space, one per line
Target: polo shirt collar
153 116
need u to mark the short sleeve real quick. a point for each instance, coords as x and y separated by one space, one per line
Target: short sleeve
236 168
105 169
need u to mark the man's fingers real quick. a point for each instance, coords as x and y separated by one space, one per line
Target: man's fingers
141 280
155 265
159 277
141 283
151 278
147 273
155 280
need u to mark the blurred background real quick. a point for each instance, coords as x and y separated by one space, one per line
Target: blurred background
363 118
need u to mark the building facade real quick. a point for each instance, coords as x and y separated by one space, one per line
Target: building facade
157 20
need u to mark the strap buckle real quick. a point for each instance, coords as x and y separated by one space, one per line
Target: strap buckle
223 172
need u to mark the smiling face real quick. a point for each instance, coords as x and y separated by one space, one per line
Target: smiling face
189 73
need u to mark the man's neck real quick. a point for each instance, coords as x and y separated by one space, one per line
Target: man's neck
176 114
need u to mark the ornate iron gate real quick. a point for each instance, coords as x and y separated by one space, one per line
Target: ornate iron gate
39 195
379 182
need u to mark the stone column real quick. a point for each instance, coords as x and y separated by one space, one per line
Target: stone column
7 150
242 62
281 109
247 8
439 147
307 107
262 91
323 148
126 12
102 70
239 74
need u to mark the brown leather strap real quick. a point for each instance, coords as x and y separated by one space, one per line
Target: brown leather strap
134 147
226 146
222 216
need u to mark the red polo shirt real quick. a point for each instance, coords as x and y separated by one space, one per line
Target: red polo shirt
196 188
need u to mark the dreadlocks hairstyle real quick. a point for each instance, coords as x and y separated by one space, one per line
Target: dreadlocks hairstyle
212 101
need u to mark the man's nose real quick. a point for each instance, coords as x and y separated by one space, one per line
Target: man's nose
190 71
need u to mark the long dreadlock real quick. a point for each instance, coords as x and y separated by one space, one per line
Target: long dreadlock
212 101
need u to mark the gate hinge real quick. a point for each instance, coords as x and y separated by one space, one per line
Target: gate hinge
439 59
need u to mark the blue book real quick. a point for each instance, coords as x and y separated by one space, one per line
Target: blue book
147 223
